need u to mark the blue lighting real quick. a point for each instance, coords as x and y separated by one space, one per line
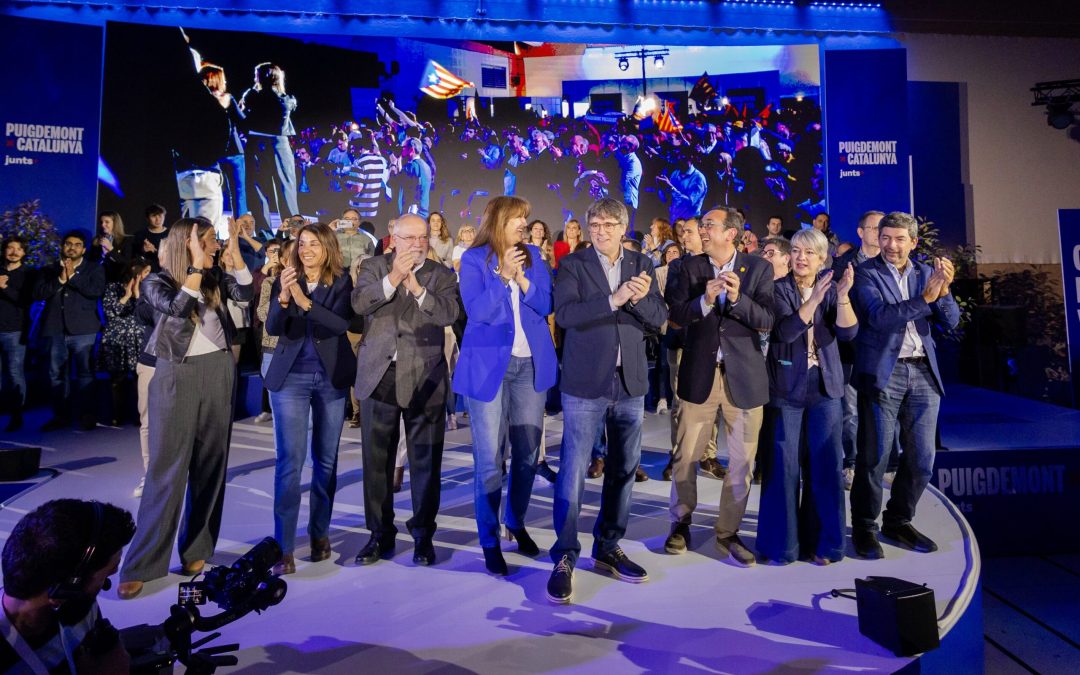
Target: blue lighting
105 175
845 5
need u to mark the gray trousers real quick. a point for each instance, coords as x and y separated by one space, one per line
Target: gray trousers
191 406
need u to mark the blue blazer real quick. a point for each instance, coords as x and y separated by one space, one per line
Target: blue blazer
788 352
594 333
330 312
489 332
883 316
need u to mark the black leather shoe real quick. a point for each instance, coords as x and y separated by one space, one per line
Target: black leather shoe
560 586
622 568
596 468
374 551
526 545
546 472
866 545
424 553
679 539
907 536
56 424
15 423
320 549
494 561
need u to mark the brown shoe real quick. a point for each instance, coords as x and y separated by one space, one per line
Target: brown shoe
713 468
640 476
320 549
354 423
399 478
194 567
286 566
128 589
666 475
596 468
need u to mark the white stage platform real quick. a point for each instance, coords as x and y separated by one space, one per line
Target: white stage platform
695 614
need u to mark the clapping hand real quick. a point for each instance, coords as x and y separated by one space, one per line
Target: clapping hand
148 247
513 262
640 285
198 255
288 282
847 280
944 267
732 283
713 289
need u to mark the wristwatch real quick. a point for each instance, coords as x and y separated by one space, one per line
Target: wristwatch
195 270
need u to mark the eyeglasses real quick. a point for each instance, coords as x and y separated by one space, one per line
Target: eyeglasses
412 240
607 227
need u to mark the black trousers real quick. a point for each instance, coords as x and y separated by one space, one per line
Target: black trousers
425 427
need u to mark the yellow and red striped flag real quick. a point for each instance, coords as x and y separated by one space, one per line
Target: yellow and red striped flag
438 82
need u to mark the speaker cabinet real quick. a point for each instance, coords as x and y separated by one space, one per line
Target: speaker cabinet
897 614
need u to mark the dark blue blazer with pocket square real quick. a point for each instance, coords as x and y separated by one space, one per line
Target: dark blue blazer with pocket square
788 352
330 312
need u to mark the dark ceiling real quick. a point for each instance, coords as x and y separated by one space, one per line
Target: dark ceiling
1045 18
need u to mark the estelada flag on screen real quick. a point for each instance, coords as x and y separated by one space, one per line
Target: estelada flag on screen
703 91
438 82
666 120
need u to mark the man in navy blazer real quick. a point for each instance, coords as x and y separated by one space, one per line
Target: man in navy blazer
606 298
724 299
70 322
897 378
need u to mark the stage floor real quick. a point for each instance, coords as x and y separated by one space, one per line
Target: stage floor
695 614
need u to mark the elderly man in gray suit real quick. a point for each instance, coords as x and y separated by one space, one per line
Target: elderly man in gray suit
407 301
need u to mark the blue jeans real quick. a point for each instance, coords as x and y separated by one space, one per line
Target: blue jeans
805 440
623 415
911 400
303 395
63 351
517 409
233 168
12 376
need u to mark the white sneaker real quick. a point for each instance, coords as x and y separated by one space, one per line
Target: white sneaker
263 417
888 479
661 407
849 477
137 492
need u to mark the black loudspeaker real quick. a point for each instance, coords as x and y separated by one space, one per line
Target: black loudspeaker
897 614
18 462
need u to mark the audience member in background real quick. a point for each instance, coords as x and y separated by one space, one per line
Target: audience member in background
15 296
465 237
144 372
802 513
897 377
777 251
606 300
251 249
749 241
239 310
675 338
352 241
57 560
147 241
70 323
774 227
442 243
407 301
112 247
867 229
539 235
822 223
386 244
275 254
657 239
662 385
725 299
506 290
191 403
569 240
844 247
122 337
308 377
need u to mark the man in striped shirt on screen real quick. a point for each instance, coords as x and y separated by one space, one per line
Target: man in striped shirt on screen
366 178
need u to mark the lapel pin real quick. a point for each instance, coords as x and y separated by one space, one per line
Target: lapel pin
741 270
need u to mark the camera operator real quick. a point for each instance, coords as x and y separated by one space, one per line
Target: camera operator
56 561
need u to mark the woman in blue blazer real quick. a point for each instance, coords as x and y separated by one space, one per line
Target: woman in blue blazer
803 432
506 366
309 378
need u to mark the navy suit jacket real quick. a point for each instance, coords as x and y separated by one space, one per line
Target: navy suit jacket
330 312
883 316
594 333
489 334
735 329
788 352
71 308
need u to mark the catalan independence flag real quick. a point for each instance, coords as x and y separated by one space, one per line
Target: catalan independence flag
703 91
666 120
438 82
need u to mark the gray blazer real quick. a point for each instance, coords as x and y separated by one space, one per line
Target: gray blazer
415 332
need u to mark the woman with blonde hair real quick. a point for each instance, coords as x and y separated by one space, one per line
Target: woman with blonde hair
112 247
465 237
190 403
569 240
506 366
308 378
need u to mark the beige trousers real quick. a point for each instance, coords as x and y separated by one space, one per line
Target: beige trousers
741 427
674 356
143 374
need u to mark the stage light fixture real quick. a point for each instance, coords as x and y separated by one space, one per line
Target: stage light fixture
624 64
658 62
1060 115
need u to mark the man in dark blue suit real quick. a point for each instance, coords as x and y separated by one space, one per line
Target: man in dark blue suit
606 298
70 323
897 378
